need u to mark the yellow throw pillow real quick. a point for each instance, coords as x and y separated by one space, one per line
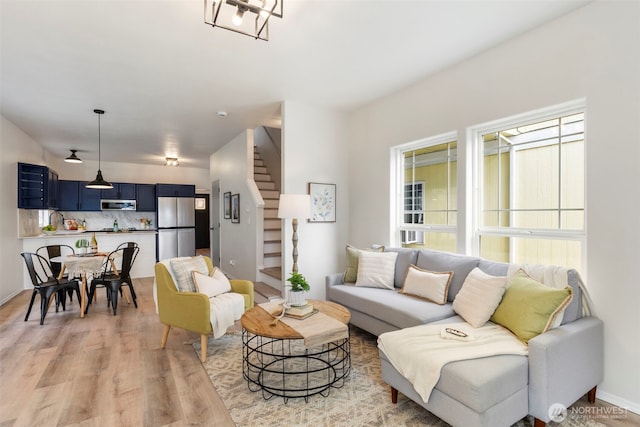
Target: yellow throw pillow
430 285
528 308
353 254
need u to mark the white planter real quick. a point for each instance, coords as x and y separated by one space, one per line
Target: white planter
296 298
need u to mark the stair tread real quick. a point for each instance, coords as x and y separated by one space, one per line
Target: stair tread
273 254
265 290
275 272
272 241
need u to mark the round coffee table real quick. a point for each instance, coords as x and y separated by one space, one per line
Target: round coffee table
276 362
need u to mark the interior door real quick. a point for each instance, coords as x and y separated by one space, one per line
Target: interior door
203 234
215 222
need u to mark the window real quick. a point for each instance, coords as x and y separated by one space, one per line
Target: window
426 182
530 205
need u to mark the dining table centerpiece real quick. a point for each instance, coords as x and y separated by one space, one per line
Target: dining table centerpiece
82 245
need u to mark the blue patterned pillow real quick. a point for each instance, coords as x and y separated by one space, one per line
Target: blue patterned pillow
182 269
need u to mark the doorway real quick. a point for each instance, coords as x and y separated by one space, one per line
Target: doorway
202 221
215 222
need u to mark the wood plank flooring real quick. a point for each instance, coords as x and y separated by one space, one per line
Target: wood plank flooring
107 370
102 370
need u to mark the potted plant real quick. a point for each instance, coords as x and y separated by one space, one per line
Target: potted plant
299 286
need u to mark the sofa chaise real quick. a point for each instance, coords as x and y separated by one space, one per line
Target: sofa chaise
562 365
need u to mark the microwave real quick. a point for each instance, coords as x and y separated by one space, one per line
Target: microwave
118 205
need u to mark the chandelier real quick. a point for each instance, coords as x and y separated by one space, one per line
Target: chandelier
248 17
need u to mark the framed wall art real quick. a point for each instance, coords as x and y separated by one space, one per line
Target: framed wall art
201 203
235 208
227 205
323 202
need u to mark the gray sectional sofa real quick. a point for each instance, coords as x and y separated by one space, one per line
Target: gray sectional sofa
563 364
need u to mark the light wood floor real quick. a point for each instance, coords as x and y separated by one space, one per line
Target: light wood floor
102 370
107 370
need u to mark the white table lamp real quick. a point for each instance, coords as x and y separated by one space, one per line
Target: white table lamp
294 206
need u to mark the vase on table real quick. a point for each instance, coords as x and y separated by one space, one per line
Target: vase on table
296 298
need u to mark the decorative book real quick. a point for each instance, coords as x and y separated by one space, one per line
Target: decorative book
299 311
304 316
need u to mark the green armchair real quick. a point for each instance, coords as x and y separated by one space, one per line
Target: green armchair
190 310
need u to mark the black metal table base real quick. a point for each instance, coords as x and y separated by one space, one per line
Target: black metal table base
285 368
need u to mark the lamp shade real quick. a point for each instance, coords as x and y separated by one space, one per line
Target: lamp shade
294 206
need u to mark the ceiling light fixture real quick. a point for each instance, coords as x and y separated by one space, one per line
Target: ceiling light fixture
73 158
230 15
171 161
99 183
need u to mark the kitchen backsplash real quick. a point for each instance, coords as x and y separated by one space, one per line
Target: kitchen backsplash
31 221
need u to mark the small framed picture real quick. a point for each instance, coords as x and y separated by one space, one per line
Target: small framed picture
201 203
227 205
323 202
235 208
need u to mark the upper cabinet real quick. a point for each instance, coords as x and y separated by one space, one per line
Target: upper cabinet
175 190
37 187
120 191
75 196
145 197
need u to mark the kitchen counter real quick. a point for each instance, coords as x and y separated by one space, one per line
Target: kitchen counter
83 235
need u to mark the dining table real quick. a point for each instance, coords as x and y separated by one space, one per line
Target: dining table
83 265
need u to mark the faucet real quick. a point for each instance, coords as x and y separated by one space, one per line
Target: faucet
61 217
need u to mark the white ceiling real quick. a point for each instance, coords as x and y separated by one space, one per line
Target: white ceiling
161 74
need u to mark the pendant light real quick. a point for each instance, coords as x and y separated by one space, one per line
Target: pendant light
73 158
99 183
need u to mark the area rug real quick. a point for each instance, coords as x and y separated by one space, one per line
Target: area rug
364 400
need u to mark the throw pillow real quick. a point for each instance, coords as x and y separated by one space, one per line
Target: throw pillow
182 269
353 254
528 307
480 295
430 285
213 285
376 269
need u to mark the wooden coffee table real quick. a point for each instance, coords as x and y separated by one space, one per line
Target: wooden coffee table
276 362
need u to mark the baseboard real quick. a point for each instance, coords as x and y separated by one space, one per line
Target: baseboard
619 401
10 296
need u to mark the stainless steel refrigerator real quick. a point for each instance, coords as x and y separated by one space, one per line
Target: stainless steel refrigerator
176 227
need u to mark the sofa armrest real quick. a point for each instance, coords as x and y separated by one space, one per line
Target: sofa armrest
244 287
334 279
186 310
564 364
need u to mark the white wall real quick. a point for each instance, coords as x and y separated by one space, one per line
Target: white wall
130 172
15 146
591 53
231 166
314 149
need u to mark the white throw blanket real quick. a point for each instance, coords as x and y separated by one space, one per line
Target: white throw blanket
225 310
419 353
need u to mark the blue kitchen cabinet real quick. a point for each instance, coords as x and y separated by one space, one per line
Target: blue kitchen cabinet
145 197
37 187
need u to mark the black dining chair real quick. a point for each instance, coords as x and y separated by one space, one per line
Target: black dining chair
46 284
114 282
52 251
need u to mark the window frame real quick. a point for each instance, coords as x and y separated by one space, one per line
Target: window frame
397 224
475 140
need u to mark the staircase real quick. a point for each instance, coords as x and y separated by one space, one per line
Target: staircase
272 245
